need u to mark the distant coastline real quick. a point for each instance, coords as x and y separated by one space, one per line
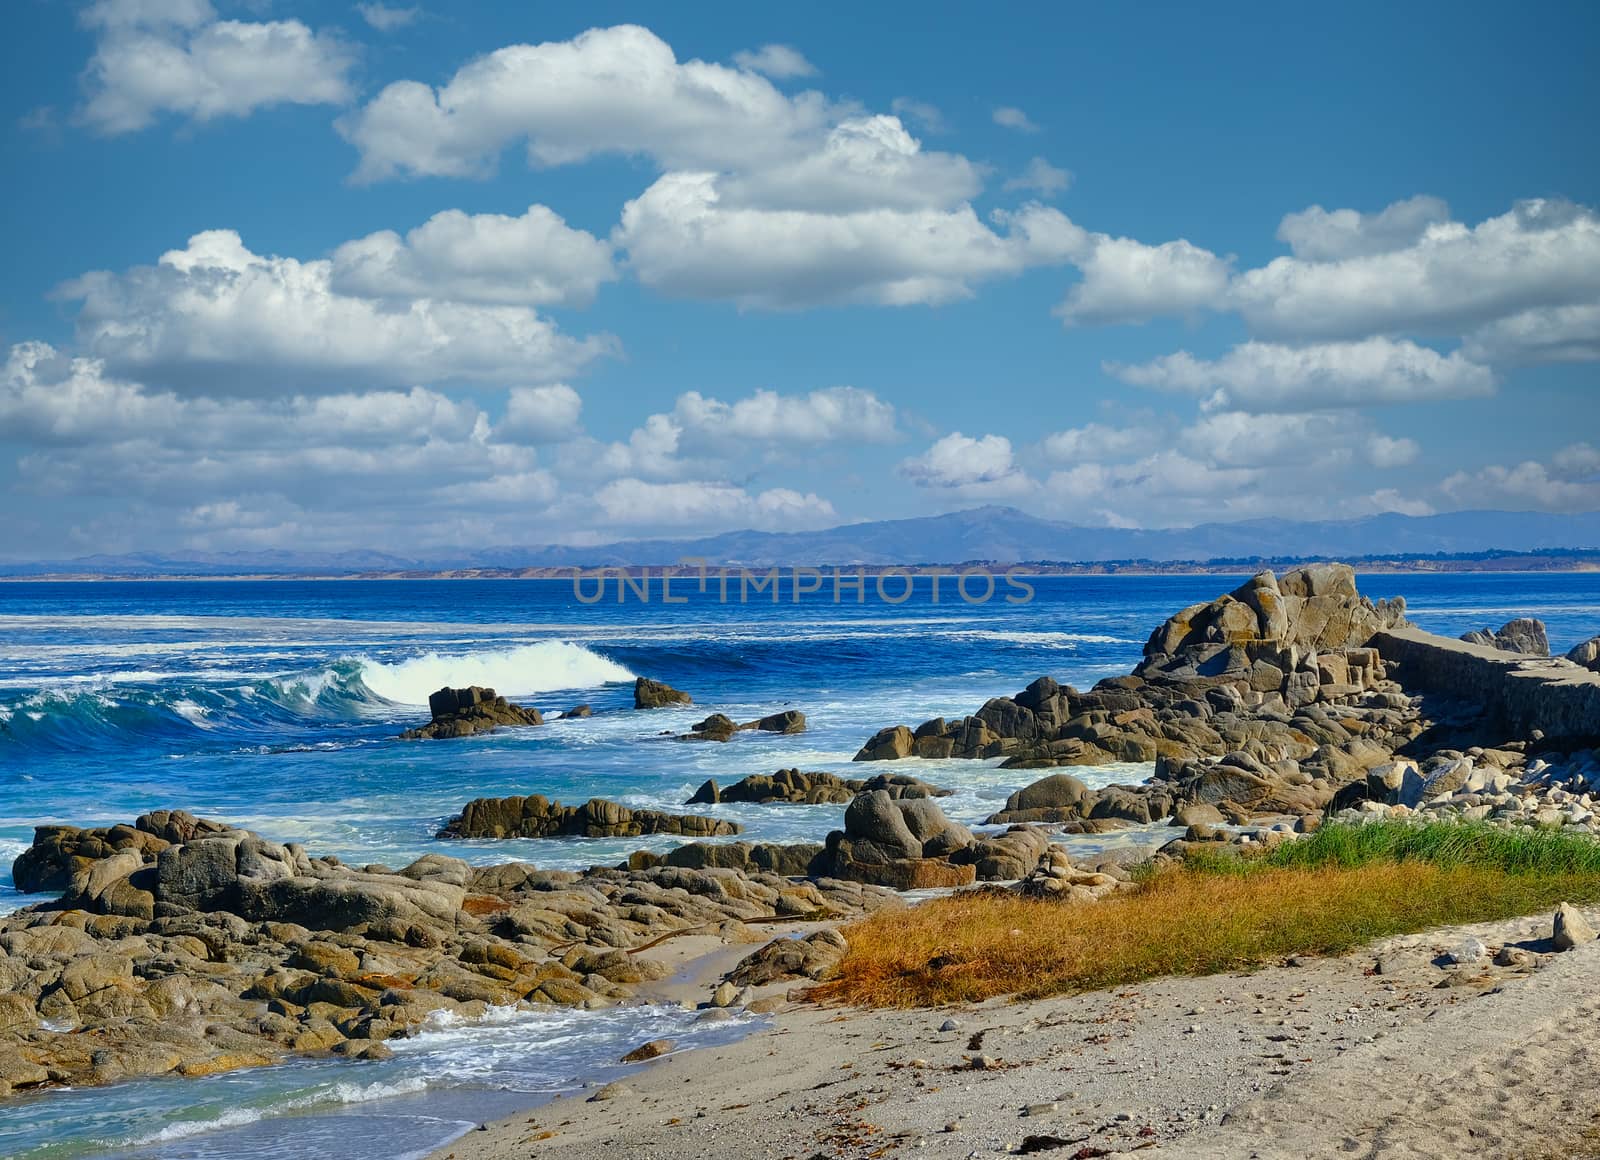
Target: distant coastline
1463 562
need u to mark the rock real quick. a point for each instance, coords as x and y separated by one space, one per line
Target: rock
1466 952
725 994
889 744
1570 928
1055 798
1523 635
611 1091
578 711
786 785
1198 813
1587 654
717 727
903 785
653 1049
876 818
950 1025
535 817
648 694
816 957
785 721
464 712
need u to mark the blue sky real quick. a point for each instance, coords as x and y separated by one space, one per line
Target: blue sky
323 275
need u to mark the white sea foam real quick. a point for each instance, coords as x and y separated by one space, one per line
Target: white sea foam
333 1094
529 668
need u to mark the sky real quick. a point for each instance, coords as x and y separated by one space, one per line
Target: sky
317 275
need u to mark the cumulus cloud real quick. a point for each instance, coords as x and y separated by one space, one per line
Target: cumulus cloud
540 414
1386 451
1541 254
218 314
970 467
1319 235
836 414
535 259
1549 334
1260 376
387 18
1126 281
683 241
1568 483
607 91
1098 441
651 506
1011 117
1042 178
157 57
779 61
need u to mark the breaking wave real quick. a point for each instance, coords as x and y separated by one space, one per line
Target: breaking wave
542 667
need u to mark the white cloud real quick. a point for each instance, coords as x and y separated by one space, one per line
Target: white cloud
1386 451
971 467
682 241
836 414
154 57
1259 376
1242 439
540 414
221 316
1010 117
1319 235
1126 281
779 61
1041 177
1541 254
1096 441
863 163
1567 484
609 90
534 260
1548 334
924 115
387 18
635 503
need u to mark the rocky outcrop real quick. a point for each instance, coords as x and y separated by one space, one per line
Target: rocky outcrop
222 950
463 712
648 694
1274 669
1525 636
720 727
59 853
1587 654
786 785
816 957
1514 697
902 844
798 786
537 817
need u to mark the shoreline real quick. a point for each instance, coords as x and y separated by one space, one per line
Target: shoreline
1313 1057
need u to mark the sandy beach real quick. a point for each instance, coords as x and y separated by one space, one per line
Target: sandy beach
1391 1051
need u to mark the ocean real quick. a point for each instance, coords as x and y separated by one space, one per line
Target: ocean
274 705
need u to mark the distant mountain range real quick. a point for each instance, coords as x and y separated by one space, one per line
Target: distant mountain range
998 534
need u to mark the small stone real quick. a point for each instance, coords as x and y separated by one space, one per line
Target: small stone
1040 1109
980 1063
950 1025
1510 956
610 1092
725 995
1468 951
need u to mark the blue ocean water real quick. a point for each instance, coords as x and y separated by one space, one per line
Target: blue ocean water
275 704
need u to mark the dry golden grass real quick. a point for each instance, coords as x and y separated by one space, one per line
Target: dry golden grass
1186 921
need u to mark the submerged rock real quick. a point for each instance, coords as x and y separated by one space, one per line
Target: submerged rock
475 709
720 727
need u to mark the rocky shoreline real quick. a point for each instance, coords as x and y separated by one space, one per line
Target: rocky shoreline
186 946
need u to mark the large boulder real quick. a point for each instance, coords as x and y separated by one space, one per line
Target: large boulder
1056 798
475 709
786 785
904 844
1524 635
649 694
60 853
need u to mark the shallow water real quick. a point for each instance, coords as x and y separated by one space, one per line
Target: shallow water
274 705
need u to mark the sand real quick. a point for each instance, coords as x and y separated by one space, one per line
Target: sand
1386 1052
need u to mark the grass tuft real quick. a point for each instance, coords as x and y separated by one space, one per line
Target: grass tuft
1325 894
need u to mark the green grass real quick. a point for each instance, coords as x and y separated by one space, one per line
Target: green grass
1519 850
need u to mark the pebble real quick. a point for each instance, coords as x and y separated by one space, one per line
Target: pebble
1040 1109
950 1025
981 1063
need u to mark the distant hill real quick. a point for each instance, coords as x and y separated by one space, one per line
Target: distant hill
999 534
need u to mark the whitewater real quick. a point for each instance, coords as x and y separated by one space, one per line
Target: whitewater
275 705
